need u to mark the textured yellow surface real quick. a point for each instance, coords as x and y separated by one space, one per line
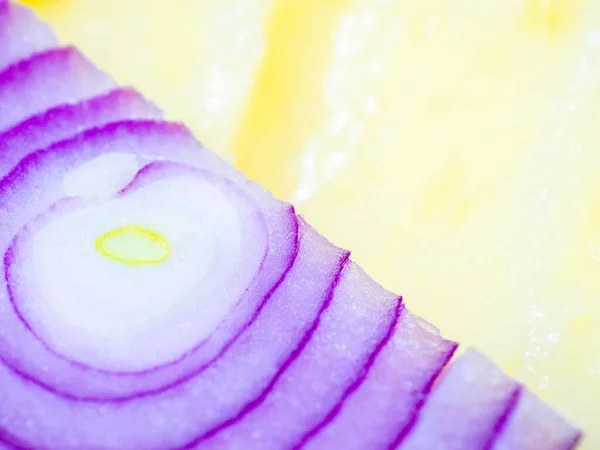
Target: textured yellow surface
454 146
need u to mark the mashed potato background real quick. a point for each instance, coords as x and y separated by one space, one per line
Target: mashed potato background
453 146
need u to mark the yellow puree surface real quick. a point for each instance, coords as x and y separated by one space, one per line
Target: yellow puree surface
454 146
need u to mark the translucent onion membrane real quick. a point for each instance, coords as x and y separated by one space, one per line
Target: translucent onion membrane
155 298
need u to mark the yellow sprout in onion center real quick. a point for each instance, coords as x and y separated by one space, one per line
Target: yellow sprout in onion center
133 245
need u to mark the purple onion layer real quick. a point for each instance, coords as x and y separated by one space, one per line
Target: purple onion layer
467 409
46 80
22 34
534 425
350 334
391 392
65 121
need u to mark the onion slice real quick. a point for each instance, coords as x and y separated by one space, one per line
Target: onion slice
48 79
154 298
21 34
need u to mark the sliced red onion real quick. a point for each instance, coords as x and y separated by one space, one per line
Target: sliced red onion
155 298
45 80
274 376
467 409
534 426
21 34
312 354
67 120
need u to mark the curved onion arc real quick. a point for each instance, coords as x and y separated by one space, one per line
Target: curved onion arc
357 325
388 401
484 396
352 388
293 356
48 79
502 421
64 121
533 425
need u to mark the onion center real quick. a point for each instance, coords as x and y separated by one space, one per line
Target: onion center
134 281
133 245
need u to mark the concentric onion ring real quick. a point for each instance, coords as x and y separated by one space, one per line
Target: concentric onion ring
533 425
385 406
494 396
64 121
48 79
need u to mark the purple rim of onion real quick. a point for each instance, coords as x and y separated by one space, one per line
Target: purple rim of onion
46 80
348 339
65 121
249 331
393 391
22 34
481 395
533 425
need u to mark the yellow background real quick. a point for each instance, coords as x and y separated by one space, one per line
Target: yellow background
453 146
